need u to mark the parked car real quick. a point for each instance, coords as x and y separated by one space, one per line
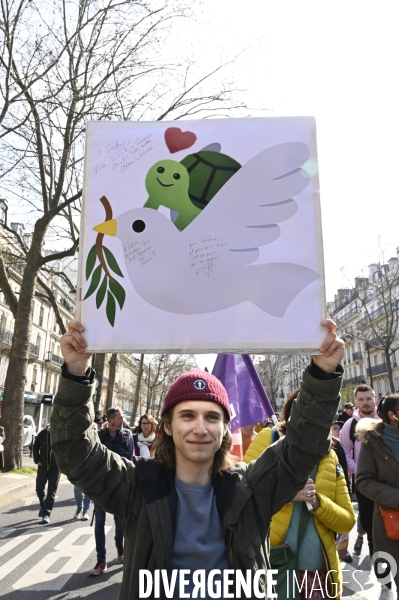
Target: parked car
29 431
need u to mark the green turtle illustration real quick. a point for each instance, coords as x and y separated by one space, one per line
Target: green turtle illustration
187 187
167 183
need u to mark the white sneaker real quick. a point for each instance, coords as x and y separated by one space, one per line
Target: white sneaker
77 514
85 517
45 520
386 593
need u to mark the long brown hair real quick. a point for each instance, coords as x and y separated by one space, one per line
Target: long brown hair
287 408
163 449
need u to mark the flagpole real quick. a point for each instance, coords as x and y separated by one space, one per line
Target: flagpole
277 424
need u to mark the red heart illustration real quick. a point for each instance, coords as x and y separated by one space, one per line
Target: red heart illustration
176 139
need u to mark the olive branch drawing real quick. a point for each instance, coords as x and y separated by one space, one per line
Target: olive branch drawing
107 285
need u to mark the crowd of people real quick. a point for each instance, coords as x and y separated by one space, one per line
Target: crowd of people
207 511
116 435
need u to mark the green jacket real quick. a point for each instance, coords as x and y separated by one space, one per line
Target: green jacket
143 493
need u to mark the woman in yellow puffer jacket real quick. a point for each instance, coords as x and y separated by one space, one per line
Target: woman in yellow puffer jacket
332 513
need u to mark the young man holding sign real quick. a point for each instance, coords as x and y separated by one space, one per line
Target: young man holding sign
193 519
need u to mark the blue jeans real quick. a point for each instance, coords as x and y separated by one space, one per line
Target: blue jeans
81 502
100 533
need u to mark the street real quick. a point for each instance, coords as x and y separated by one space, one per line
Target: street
54 560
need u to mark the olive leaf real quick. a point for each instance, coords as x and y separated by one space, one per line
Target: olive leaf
101 292
118 292
109 286
111 308
113 265
91 261
95 280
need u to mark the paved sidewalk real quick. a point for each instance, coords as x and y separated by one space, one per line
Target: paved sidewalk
14 486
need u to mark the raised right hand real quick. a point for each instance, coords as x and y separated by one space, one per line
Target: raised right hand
73 349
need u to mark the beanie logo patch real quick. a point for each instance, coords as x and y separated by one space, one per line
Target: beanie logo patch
199 384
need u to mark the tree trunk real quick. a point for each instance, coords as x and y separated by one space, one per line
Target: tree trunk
99 367
389 369
14 388
137 391
149 398
111 380
161 397
272 395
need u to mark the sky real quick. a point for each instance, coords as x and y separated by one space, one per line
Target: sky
336 61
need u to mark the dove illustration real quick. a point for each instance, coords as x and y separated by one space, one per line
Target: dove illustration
209 265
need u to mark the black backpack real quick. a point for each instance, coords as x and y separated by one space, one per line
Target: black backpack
352 430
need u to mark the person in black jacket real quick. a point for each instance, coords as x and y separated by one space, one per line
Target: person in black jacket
346 413
120 440
47 472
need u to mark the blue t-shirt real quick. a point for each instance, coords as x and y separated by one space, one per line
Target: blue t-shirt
199 541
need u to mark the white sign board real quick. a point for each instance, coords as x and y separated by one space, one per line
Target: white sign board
207 237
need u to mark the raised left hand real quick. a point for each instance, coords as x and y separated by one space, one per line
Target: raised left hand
308 494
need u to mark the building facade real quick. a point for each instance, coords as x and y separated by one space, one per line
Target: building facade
367 316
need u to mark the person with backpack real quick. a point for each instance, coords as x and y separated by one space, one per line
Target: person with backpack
119 440
366 408
47 473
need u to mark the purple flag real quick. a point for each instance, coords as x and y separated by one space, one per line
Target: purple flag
249 403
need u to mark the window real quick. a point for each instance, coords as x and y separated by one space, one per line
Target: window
41 316
375 360
397 384
387 389
34 380
379 388
3 369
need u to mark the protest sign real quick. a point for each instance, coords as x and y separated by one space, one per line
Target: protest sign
201 236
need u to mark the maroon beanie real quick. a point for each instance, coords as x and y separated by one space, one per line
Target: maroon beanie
197 385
